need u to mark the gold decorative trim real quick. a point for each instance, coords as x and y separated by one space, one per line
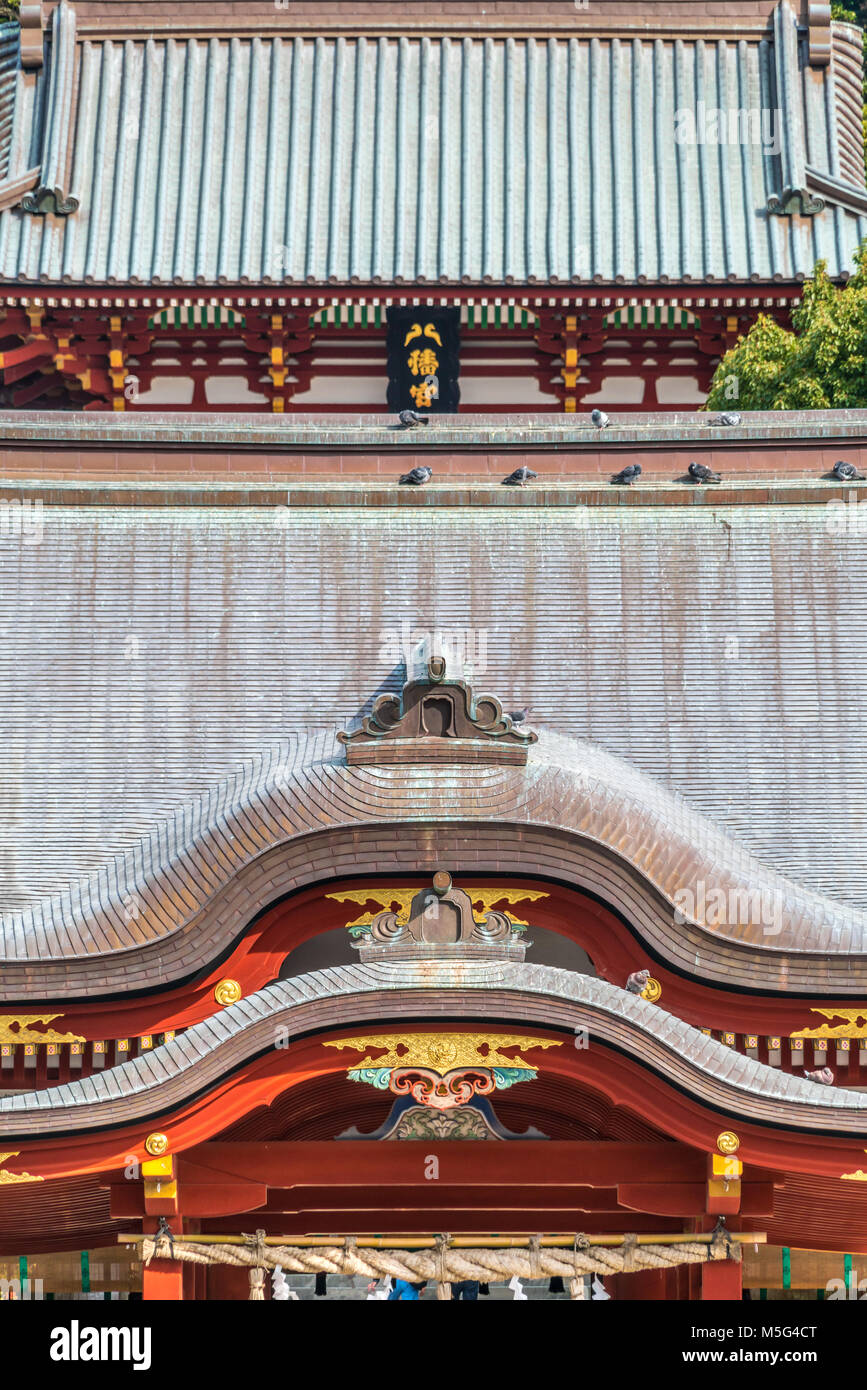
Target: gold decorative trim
652 991
854 1025
7 1178
16 1028
728 1142
444 1052
156 1144
400 899
227 992
858 1176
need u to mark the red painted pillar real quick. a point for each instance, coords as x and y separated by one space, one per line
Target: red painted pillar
163 1280
721 1281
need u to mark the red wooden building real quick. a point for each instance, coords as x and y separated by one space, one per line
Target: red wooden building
212 209
339 817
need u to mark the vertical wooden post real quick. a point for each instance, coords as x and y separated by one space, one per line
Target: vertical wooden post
721 1281
163 1280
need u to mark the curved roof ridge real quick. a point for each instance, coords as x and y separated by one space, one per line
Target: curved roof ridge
545 996
300 786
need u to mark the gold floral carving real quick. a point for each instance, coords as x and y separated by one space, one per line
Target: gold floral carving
444 1052
853 1026
652 991
728 1142
227 992
400 900
858 1176
156 1144
17 1028
6 1178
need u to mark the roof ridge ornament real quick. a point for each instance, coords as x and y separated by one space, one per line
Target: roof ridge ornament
437 719
441 922
32 22
52 195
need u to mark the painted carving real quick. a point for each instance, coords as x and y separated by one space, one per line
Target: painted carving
442 1071
18 1028
441 915
854 1024
7 1178
400 900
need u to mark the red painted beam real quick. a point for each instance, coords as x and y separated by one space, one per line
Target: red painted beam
216 1199
481 1221
470 1163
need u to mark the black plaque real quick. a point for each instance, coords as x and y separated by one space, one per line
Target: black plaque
423 345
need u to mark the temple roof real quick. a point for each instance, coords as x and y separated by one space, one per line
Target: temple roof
170 712
278 157
534 995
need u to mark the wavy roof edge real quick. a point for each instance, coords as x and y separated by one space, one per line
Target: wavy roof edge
540 996
251 839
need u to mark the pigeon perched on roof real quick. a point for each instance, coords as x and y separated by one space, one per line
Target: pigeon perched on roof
846 472
700 473
637 981
418 476
410 418
823 1077
520 477
627 475
519 716
599 419
728 419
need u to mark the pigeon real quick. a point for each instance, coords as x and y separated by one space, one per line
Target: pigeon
637 980
519 716
519 477
599 419
418 476
823 1077
410 418
627 475
731 419
846 472
700 473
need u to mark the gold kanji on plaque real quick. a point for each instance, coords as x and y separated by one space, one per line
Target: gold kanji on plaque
425 393
423 361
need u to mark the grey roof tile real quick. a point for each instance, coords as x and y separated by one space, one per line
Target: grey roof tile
428 159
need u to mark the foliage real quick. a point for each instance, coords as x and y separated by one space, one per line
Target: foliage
821 365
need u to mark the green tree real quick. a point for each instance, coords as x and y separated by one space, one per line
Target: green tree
9 11
820 365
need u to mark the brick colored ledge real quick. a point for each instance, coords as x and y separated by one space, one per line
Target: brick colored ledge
338 434
80 492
